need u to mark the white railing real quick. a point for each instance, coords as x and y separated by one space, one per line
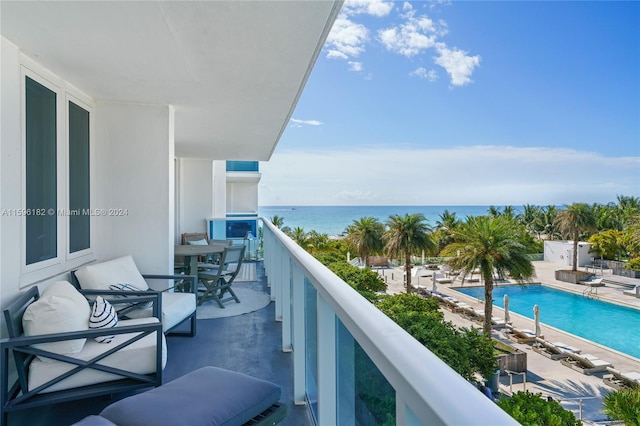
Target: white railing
427 390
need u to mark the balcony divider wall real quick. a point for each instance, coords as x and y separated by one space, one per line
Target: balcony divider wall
350 358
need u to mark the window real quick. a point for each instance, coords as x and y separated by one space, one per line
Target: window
79 220
41 183
56 206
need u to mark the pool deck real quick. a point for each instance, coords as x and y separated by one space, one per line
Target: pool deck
546 376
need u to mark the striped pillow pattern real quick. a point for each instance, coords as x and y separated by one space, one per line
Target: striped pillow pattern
103 315
129 287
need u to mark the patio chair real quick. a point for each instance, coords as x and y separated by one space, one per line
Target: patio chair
59 357
622 380
204 262
214 283
177 307
555 350
523 335
585 363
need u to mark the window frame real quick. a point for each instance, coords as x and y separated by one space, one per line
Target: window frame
64 261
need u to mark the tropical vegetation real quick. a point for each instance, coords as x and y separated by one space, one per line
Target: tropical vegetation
624 405
531 409
496 245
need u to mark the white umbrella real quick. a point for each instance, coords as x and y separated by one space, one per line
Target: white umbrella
536 317
433 277
422 257
507 319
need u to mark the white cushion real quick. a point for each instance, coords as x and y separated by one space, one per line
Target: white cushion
60 309
175 308
103 315
202 242
138 357
117 271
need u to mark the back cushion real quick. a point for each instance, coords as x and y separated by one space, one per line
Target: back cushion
60 309
100 276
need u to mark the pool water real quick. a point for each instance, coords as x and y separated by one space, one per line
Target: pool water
614 326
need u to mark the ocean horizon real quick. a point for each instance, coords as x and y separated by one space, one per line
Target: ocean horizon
333 220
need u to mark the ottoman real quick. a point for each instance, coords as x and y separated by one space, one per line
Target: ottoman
209 396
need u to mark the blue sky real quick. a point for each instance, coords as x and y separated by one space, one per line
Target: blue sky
467 103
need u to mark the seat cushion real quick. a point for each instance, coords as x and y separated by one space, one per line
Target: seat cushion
99 276
175 308
138 357
208 396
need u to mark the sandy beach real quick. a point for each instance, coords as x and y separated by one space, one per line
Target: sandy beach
582 394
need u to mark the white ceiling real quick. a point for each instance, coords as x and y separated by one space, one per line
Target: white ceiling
233 70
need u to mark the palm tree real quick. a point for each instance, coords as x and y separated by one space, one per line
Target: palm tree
277 221
299 236
576 220
405 236
491 244
444 229
366 236
528 217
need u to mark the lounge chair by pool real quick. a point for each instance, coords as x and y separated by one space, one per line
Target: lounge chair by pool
585 363
555 351
523 335
622 380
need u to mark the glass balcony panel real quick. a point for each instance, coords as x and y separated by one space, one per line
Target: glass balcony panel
311 347
365 397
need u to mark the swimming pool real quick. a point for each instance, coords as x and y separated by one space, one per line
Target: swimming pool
614 326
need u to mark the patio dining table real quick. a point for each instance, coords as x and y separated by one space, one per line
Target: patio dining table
191 253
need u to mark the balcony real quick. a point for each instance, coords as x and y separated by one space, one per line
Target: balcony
338 359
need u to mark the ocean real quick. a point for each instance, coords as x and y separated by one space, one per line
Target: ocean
333 220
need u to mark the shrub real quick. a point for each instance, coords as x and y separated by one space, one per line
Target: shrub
623 405
633 264
532 409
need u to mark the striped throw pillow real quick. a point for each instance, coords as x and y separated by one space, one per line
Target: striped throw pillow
129 287
103 315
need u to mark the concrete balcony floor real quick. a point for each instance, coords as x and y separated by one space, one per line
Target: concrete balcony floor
249 343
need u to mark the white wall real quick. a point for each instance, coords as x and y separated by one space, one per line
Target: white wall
10 177
196 194
242 197
132 169
562 252
219 189
135 171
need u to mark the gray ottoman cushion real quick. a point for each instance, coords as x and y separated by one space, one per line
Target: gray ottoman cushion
94 421
209 396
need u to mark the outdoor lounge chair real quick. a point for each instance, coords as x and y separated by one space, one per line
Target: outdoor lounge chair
622 380
555 351
214 283
442 279
176 307
58 357
523 335
585 363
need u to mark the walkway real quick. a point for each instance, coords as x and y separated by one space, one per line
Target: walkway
545 376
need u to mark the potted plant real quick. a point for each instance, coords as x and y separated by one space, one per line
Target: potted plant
509 358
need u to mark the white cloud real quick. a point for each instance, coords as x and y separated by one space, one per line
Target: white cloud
355 66
377 8
422 73
457 63
347 37
411 38
479 175
299 123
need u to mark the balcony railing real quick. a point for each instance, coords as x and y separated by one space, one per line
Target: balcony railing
352 364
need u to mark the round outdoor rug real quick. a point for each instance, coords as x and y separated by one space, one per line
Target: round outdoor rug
250 301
